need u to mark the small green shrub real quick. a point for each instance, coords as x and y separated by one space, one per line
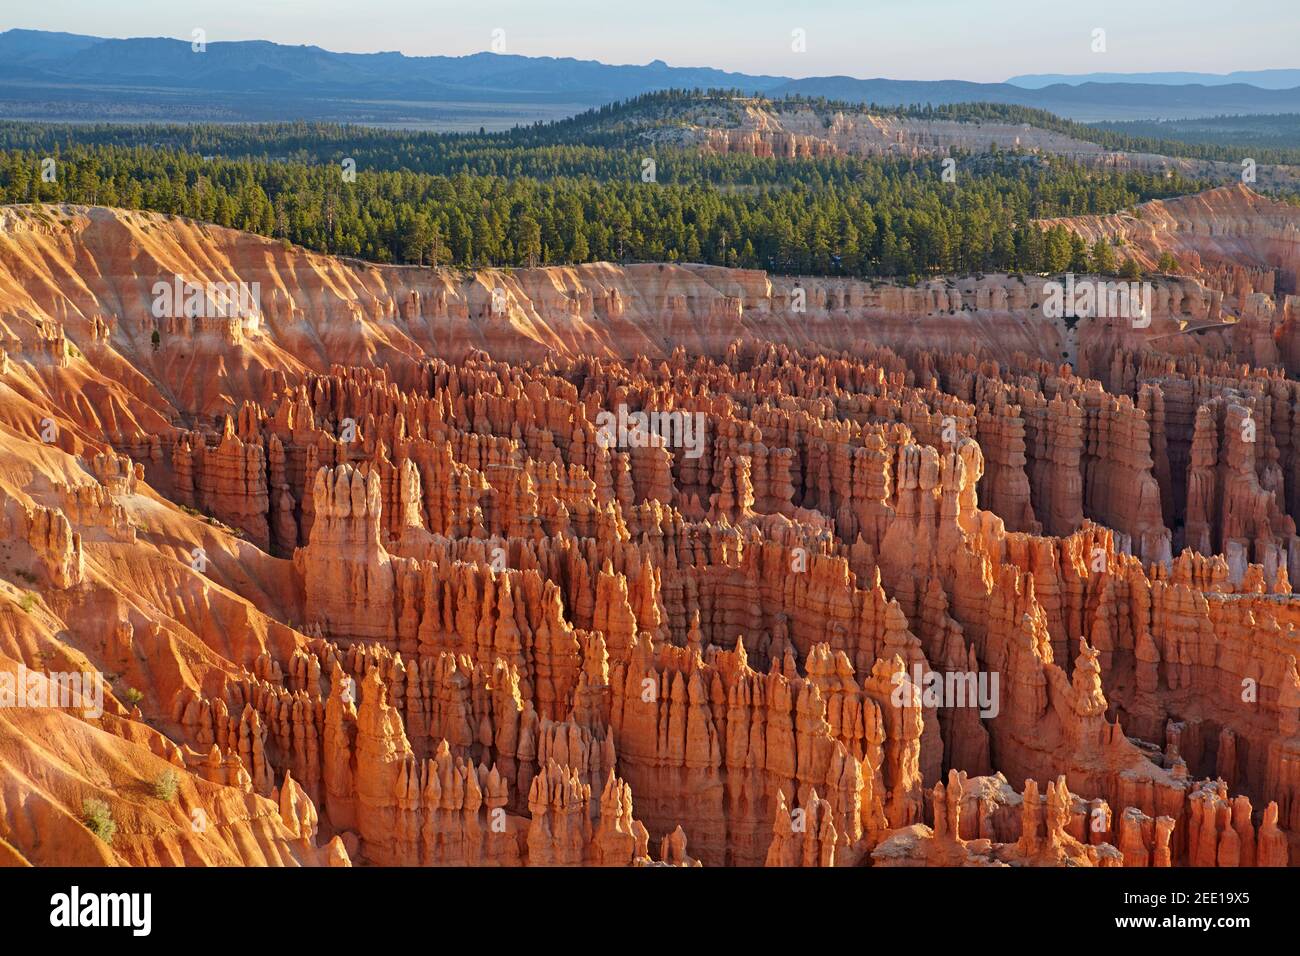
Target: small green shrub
99 819
27 602
164 788
133 696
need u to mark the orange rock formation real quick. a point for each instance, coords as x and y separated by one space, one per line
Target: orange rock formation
369 581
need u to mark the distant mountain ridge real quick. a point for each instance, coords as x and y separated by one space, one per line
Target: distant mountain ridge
1264 79
262 65
70 76
1087 102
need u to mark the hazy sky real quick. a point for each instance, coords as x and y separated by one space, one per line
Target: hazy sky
983 40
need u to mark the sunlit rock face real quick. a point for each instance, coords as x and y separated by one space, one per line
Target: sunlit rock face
633 566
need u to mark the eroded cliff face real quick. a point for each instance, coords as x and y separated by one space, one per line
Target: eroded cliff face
93 276
1234 239
788 131
371 573
795 132
1241 252
314 310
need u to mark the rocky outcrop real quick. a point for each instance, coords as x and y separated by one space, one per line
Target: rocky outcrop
798 131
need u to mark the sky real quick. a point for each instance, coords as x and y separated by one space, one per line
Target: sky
982 40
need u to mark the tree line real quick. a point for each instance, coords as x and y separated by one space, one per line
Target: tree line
519 198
